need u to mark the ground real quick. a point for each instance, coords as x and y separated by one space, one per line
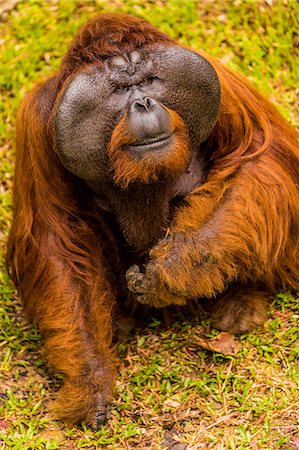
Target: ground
170 392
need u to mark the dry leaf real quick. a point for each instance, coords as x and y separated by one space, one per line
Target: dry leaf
295 441
54 433
172 403
171 441
8 5
224 343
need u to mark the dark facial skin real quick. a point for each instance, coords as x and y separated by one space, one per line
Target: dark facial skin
141 86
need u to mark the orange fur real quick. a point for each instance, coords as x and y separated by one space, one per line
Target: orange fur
66 259
127 169
249 202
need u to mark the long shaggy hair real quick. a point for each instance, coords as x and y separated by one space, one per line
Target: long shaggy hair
63 254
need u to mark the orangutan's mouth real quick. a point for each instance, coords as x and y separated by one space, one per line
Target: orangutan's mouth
152 144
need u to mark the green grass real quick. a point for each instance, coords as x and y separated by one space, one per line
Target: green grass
250 401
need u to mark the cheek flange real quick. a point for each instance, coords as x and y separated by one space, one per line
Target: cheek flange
85 115
83 125
192 89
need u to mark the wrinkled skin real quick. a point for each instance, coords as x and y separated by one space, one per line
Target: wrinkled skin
96 99
145 176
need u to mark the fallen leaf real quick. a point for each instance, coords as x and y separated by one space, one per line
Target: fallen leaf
8 5
4 424
55 433
224 343
171 441
295 441
172 403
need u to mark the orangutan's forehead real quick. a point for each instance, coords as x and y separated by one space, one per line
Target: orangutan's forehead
122 62
129 65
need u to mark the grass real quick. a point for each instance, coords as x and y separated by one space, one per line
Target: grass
167 390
